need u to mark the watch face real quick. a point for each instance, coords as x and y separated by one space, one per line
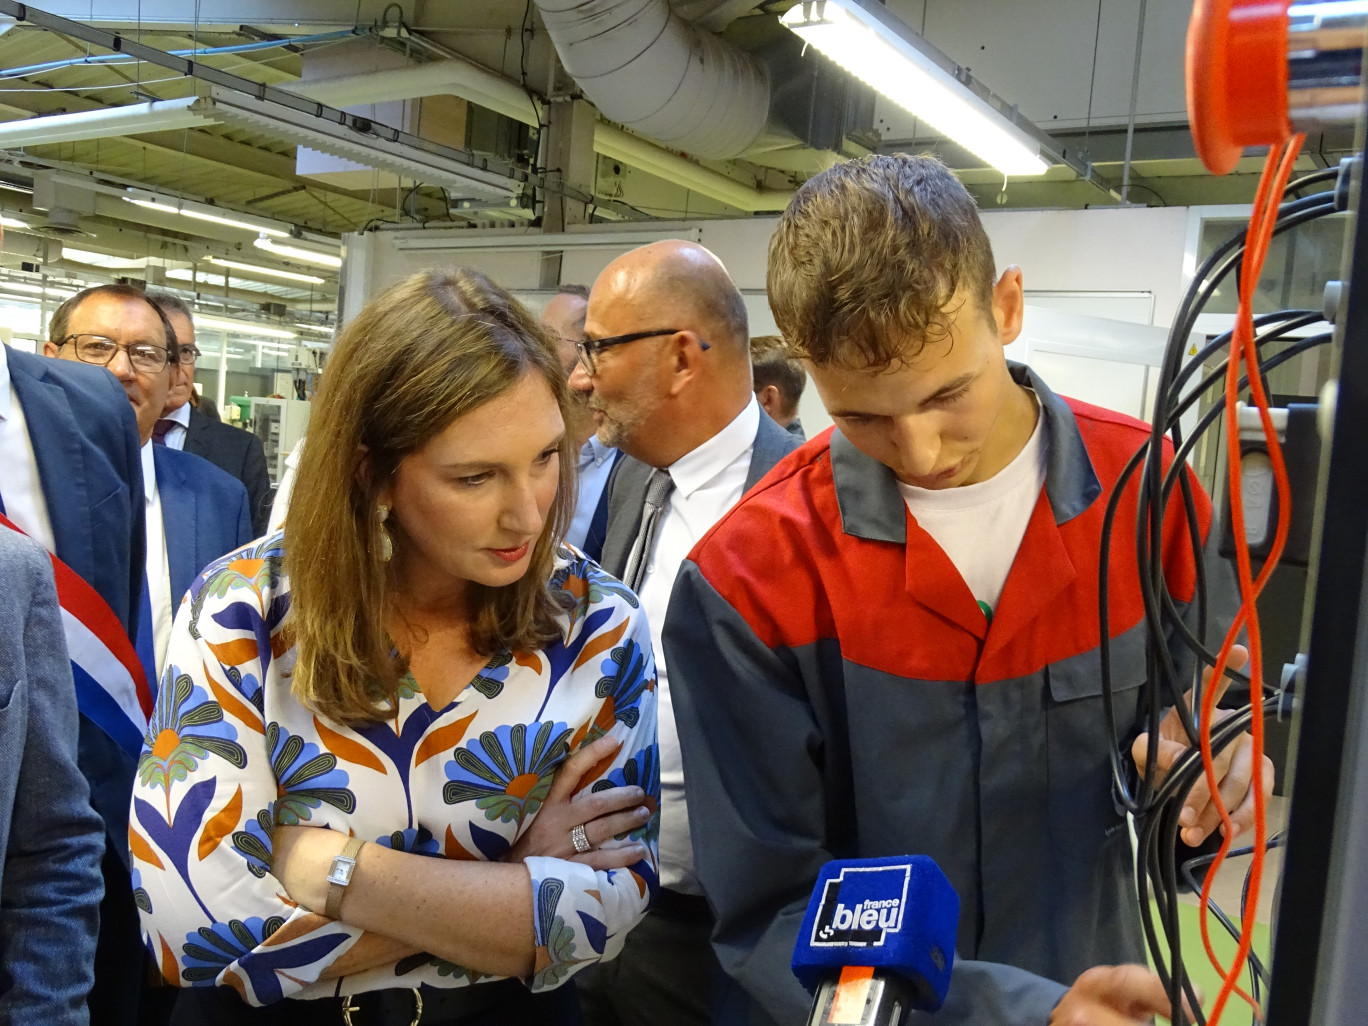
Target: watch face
341 871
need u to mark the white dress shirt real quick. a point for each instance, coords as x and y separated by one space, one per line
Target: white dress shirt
21 490
595 464
158 566
175 436
708 481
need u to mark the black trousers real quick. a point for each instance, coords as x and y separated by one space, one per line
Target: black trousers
502 1003
666 975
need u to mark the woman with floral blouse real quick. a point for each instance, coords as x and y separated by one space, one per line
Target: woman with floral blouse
419 667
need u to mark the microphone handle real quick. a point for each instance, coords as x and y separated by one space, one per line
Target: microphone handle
862 996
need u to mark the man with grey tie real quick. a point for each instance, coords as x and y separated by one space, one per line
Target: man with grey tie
665 365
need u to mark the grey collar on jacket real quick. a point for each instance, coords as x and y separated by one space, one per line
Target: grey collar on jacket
872 507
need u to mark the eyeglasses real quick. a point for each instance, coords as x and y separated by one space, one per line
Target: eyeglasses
187 354
589 347
144 356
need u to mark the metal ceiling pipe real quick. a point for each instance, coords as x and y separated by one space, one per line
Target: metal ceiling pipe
630 149
647 68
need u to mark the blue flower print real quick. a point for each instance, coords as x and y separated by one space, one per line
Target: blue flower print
503 773
625 680
186 727
415 840
306 777
253 842
643 771
211 949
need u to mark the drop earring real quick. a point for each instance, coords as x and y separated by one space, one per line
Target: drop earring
382 513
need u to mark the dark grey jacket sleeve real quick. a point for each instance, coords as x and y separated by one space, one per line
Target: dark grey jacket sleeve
761 814
53 841
257 479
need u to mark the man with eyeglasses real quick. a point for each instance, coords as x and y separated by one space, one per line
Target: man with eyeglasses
195 512
564 314
665 364
192 513
183 426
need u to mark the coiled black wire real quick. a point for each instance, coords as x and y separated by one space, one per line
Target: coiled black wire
1176 650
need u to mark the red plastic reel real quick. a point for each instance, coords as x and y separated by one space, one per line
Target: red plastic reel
1237 78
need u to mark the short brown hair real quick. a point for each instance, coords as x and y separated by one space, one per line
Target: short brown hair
61 317
868 256
418 356
772 365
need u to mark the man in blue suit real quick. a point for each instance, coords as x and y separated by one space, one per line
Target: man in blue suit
195 512
192 513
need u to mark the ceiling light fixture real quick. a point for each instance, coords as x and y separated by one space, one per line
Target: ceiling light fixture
880 50
322 329
307 256
12 222
103 122
106 260
312 279
242 327
200 215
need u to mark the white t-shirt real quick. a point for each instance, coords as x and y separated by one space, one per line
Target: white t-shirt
980 526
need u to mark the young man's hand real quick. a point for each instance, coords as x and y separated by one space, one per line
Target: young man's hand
1234 768
1113 995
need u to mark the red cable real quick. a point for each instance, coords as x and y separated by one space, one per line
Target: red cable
1272 184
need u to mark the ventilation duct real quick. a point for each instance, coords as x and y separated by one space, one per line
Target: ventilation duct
647 68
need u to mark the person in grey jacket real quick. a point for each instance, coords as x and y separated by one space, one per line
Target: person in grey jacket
52 840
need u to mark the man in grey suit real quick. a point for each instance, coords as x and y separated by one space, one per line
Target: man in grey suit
666 367
51 840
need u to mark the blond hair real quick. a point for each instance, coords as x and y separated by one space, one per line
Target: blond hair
420 355
868 257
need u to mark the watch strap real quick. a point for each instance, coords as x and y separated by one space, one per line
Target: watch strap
333 908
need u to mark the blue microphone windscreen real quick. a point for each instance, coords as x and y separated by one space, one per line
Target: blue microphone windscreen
896 914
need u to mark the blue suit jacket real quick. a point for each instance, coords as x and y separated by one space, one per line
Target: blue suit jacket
85 442
205 513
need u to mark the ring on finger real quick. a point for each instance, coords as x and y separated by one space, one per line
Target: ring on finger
580 840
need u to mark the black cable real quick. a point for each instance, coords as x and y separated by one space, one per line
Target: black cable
1219 263
1173 635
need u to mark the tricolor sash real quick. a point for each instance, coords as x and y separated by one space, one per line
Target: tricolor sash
111 688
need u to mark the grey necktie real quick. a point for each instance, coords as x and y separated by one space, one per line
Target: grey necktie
658 490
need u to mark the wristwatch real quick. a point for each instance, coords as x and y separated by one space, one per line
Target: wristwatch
340 875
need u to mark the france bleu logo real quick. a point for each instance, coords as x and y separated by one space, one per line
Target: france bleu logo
862 906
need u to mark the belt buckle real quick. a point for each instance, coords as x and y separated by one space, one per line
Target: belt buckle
348 1008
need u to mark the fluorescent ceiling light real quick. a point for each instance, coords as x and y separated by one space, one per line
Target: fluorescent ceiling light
308 256
322 329
199 215
312 279
884 53
243 327
12 222
35 290
11 187
86 256
155 116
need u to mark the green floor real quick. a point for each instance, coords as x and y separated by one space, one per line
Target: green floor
1204 974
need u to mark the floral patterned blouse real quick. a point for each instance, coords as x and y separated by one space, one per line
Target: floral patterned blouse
229 752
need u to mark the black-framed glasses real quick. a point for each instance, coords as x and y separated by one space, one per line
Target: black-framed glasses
590 347
96 349
187 354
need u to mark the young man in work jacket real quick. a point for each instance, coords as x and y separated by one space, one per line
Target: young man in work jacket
890 646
